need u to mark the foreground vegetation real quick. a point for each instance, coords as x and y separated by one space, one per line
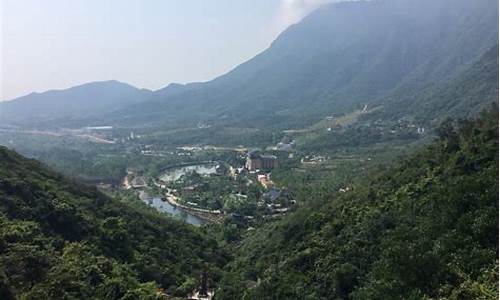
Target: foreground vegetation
62 240
425 229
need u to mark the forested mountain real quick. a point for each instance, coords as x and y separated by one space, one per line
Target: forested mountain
80 102
339 58
424 229
460 97
62 240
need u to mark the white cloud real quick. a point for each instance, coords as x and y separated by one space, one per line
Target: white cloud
292 11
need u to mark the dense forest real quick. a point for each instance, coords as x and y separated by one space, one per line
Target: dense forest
424 229
63 240
462 96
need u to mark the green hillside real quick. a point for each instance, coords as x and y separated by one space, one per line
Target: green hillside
463 96
424 229
63 240
397 118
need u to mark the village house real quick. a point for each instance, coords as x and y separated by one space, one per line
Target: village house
277 201
233 172
285 146
138 183
265 180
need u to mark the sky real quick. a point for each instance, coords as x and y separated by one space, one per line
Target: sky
56 44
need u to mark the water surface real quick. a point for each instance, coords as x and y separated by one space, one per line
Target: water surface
165 207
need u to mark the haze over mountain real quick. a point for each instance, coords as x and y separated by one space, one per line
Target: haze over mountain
78 102
340 57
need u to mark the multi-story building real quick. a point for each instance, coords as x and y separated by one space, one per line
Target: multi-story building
256 161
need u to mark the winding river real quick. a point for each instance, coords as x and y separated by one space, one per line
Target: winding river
165 207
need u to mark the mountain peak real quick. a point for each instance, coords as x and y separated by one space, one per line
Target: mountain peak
339 57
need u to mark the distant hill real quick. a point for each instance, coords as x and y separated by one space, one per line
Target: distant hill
340 57
63 240
76 103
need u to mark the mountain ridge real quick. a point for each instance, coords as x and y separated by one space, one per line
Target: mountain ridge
339 58
322 65
77 102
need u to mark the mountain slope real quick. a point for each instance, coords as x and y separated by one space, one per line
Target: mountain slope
79 102
462 96
63 240
397 118
340 57
426 228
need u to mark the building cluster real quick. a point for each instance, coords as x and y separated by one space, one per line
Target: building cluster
277 201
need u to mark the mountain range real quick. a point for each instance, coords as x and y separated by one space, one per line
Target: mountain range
386 53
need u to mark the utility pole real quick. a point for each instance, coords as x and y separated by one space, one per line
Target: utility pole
204 286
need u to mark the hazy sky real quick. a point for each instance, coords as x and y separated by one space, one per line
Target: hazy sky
53 44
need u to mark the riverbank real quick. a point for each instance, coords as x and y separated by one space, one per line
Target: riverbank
165 207
204 214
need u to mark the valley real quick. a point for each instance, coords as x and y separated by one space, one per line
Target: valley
236 209
354 158
214 177
211 186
